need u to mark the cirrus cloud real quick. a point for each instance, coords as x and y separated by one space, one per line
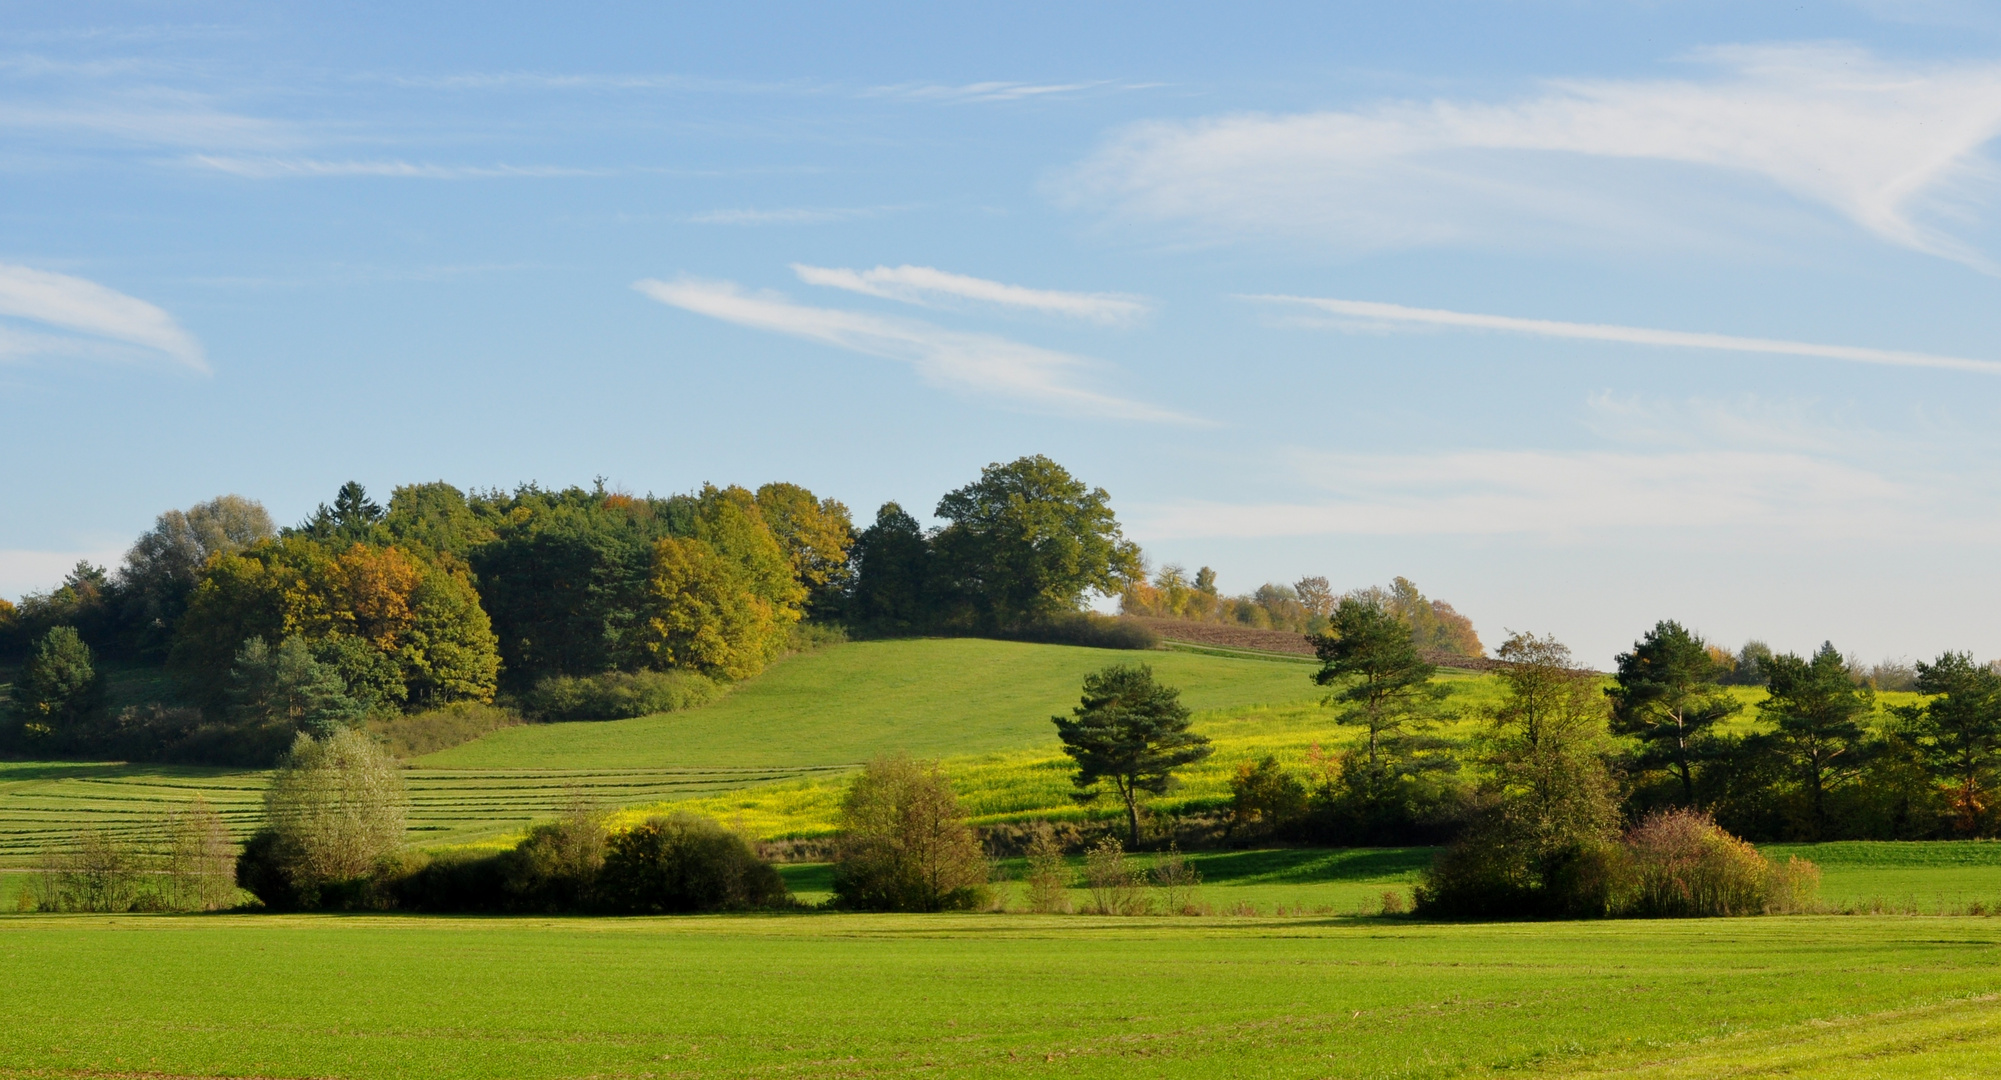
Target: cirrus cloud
924 284
1896 149
90 319
980 363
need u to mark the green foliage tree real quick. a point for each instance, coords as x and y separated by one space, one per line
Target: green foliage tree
59 690
287 686
892 573
351 519
1548 745
1131 731
334 808
1027 540
566 579
1665 694
86 601
437 518
1816 710
1959 733
1542 843
1381 682
904 844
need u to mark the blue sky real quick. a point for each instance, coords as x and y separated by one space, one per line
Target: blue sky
1581 315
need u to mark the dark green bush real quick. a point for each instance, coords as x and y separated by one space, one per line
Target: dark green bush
685 863
618 695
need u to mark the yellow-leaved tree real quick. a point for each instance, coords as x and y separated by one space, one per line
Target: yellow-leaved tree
724 601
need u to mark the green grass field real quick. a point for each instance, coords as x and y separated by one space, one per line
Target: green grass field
930 697
368 997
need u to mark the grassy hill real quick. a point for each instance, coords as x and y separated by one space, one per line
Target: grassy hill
814 715
929 697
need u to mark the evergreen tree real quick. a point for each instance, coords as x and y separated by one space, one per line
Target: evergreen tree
1368 655
1816 708
1959 732
59 689
1665 694
1131 731
287 685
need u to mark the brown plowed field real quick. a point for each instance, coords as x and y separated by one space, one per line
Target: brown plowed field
1229 636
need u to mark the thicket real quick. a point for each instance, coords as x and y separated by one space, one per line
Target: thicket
1306 606
185 862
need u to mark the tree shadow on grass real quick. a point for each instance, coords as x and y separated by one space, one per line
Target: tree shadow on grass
1294 866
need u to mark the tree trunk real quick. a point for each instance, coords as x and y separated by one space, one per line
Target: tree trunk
1132 816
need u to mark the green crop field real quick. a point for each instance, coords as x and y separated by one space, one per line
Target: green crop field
368 997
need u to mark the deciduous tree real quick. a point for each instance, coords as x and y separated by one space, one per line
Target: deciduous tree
904 843
1027 540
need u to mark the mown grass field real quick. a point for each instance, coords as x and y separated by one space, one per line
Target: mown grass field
999 996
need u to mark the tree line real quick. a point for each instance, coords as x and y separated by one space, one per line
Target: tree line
568 604
1813 760
1304 607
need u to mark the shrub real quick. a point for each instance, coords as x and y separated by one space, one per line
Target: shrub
685 863
904 843
417 734
1178 882
556 867
1048 873
1498 869
1117 887
1265 799
200 860
1683 866
335 808
98 872
619 695
1793 887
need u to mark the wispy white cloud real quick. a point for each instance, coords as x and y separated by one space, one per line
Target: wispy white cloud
264 168
924 284
1895 148
148 117
981 91
1371 315
1694 496
96 321
980 363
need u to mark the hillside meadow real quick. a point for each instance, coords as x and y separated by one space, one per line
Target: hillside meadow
770 758
995 996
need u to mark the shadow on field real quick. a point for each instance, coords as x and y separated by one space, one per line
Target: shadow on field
19 771
1307 866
